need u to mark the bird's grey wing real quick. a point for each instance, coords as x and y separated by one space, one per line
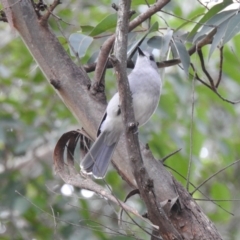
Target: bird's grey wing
101 165
97 159
99 127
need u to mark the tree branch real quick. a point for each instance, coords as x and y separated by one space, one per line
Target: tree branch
169 63
44 18
220 67
144 182
70 81
107 46
67 172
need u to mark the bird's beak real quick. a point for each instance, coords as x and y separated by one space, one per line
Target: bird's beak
140 52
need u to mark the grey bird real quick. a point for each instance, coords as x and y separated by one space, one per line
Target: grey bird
145 84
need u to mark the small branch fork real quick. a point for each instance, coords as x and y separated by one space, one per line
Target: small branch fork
41 6
50 9
212 86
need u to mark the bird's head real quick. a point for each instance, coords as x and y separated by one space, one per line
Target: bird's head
145 59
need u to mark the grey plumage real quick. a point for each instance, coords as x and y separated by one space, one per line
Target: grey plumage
145 85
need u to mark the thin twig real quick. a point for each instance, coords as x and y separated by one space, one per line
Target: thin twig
209 199
203 5
60 19
169 155
200 54
65 37
206 40
104 215
217 200
184 19
198 78
225 99
54 218
191 134
71 223
45 17
214 176
213 88
220 67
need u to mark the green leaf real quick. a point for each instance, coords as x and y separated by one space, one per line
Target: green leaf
183 55
188 22
107 23
215 9
93 57
214 22
86 28
79 44
174 50
166 43
142 2
155 42
63 41
21 205
233 28
218 37
153 28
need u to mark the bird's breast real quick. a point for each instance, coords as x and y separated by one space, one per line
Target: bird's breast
144 105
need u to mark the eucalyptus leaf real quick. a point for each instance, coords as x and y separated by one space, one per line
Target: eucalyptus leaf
233 28
188 22
174 50
153 28
79 44
183 36
63 41
94 57
132 50
155 42
215 9
142 2
166 43
218 37
86 28
214 22
183 55
107 23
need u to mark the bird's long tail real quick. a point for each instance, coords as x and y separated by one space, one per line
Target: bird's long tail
97 159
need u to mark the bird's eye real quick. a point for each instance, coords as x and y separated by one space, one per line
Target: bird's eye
151 58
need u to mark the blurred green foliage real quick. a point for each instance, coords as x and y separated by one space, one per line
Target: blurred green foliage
33 204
